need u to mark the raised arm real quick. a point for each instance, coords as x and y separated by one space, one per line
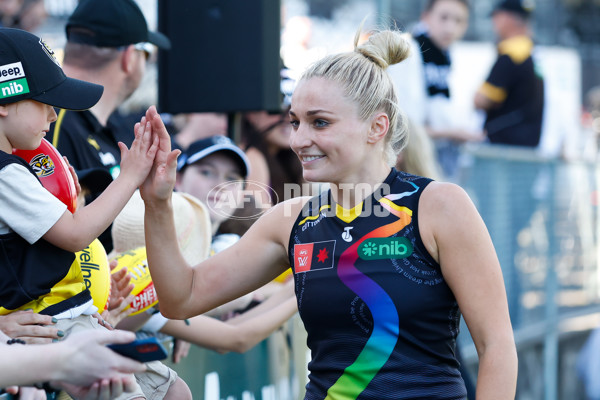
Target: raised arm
73 232
257 258
457 238
184 291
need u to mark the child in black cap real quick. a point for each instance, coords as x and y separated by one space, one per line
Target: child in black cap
38 235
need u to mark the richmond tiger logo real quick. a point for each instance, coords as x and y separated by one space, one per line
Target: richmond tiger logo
42 164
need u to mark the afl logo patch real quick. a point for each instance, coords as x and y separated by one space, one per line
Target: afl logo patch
42 164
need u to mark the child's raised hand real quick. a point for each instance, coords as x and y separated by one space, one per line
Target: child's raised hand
160 182
137 161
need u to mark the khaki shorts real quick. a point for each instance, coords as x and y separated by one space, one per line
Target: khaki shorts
153 383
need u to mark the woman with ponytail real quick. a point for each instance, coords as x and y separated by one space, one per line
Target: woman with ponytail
384 262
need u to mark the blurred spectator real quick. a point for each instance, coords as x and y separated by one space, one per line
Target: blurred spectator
266 141
513 94
22 14
9 12
108 43
418 156
196 126
513 98
214 170
102 49
32 16
426 97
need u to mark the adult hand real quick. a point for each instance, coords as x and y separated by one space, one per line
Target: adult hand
27 393
160 182
29 326
86 359
101 390
180 350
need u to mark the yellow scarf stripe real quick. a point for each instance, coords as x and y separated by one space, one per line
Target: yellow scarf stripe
59 119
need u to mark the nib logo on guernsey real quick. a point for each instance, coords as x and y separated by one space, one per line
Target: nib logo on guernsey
313 256
381 248
12 80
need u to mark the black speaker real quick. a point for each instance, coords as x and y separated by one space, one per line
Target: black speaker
224 56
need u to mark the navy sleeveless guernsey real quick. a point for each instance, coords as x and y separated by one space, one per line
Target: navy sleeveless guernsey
381 320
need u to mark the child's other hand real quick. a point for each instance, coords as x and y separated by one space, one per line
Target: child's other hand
137 161
159 184
116 315
74 175
120 285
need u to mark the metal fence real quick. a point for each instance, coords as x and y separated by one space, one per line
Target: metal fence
542 216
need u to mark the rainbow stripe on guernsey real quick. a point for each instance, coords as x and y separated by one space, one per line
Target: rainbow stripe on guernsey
385 332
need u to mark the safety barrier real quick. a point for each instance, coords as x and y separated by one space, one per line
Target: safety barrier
542 215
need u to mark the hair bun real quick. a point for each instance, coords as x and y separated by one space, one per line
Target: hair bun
384 48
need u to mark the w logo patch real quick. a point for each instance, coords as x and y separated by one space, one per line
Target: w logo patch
313 256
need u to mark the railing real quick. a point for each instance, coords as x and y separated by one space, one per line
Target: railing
542 215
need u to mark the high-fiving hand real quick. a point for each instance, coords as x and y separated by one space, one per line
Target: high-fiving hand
159 184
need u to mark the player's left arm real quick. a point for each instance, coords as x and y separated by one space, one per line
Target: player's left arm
457 238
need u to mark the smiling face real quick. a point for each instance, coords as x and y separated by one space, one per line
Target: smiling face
447 22
23 124
328 136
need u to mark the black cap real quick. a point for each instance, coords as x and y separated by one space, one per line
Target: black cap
111 23
524 8
204 147
29 70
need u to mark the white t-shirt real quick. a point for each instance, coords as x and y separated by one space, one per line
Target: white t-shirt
30 210
26 207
